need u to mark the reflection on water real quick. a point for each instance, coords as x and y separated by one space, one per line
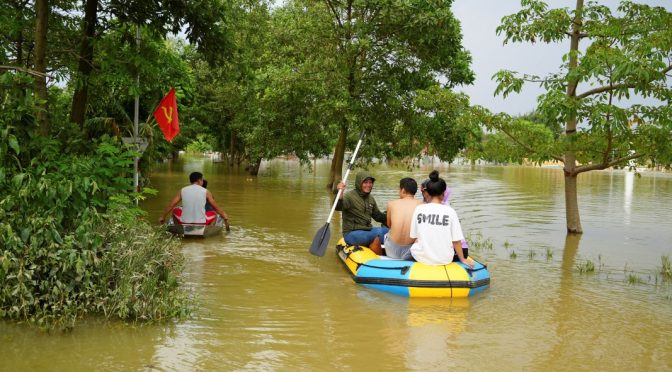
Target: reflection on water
627 196
618 325
434 327
266 304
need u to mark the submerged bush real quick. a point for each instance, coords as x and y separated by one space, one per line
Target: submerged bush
585 267
666 269
139 271
72 243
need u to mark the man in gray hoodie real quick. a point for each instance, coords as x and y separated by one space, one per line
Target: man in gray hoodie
359 207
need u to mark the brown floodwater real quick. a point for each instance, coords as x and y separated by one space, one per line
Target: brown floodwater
264 303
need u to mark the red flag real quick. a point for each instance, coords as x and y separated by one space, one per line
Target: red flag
166 116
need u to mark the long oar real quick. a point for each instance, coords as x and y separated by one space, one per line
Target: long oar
322 236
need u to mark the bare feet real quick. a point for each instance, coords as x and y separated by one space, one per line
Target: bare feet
376 247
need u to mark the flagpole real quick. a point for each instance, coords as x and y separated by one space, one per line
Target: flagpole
136 119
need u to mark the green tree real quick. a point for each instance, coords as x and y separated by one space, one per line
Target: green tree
29 30
386 51
360 64
612 57
258 104
207 30
306 77
445 125
292 109
15 18
41 28
221 94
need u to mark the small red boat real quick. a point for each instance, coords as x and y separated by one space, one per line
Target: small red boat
213 225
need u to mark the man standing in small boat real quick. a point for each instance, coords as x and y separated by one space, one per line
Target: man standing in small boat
358 207
193 199
399 214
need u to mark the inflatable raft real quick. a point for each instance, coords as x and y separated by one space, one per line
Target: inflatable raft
212 226
411 278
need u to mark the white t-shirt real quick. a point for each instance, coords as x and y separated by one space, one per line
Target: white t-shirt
193 204
435 227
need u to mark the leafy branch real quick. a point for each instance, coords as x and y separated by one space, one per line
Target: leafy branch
24 70
611 87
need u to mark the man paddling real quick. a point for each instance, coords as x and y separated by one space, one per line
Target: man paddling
193 199
358 207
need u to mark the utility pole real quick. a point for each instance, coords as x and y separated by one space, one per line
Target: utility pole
138 144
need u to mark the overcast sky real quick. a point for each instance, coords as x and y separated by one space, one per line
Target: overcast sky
479 20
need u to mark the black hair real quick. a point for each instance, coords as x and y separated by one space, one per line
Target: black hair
409 185
436 185
195 176
205 184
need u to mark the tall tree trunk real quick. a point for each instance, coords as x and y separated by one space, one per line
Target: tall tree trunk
572 205
80 98
41 94
336 171
232 148
19 42
19 38
345 26
253 168
339 151
571 199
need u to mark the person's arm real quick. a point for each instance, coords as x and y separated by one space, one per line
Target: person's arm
211 199
341 203
413 233
456 232
170 207
378 215
389 213
457 246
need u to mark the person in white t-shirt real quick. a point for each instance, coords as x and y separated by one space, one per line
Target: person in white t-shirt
436 228
194 198
446 201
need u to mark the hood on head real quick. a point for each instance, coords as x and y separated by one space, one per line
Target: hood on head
360 178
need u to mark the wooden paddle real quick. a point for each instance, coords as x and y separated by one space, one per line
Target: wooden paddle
321 239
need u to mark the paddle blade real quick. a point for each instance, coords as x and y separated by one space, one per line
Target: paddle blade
320 241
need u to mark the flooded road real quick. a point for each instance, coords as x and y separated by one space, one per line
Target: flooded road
264 303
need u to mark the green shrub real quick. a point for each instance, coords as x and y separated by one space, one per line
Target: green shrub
200 145
72 242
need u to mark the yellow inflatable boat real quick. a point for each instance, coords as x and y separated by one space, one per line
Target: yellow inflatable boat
411 278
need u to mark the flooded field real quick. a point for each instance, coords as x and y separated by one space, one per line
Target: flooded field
264 303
